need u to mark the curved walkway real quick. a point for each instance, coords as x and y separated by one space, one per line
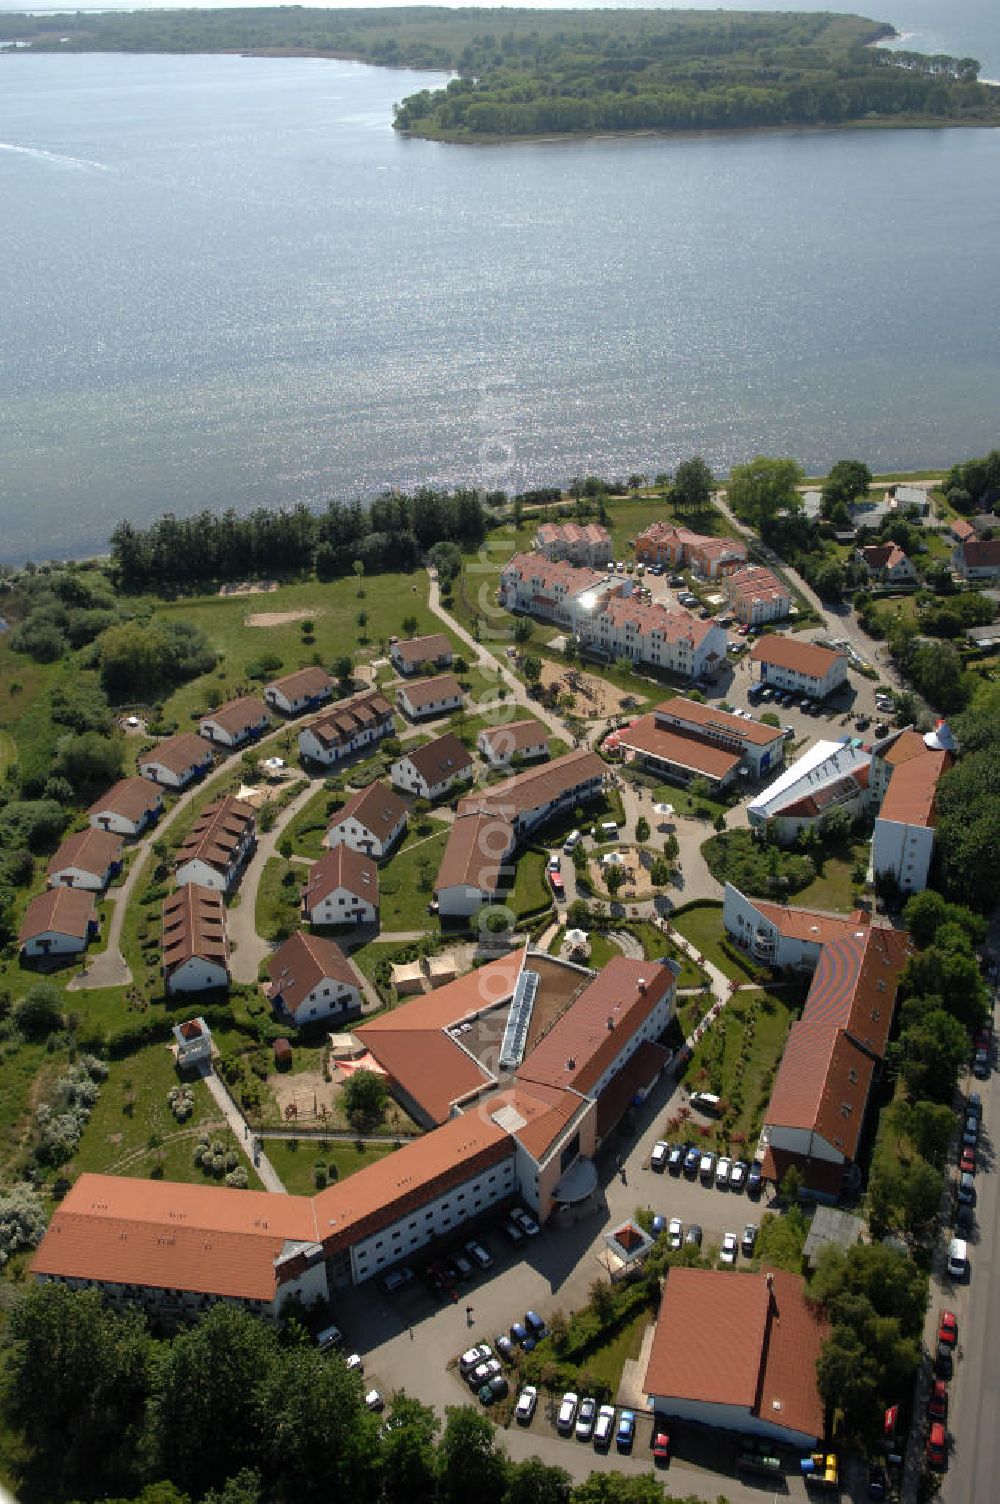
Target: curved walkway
247 948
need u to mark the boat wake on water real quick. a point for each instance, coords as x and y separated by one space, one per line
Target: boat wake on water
53 156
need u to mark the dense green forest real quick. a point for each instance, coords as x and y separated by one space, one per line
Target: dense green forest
524 73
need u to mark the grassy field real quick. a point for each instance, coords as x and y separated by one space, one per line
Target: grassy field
332 608
834 887
606 1363
531 890
602 950
406 882
278 902
702 925
295 1160
737 1057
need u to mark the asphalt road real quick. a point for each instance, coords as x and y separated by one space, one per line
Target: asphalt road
973 1475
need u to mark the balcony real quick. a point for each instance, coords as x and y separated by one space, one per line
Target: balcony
764 945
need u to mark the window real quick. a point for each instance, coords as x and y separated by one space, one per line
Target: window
853 1077
846 1109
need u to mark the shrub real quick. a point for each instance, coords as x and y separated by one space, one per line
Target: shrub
22 1221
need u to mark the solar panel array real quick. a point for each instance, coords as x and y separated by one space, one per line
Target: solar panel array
515 1034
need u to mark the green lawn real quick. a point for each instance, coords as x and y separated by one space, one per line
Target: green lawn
834 887
602 950
278 901
531 890
8 752
606 1363
655 944
406 882
132 1129
310 825
295 1160
737 1057
702 925
333 608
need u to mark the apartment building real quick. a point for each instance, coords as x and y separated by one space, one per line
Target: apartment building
787 662
757 595
588 544
195 944
684 739
218 845
372 821
346 727
679 548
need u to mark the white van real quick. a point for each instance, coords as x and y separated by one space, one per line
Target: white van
609 830
958 1258
705 1101
571 842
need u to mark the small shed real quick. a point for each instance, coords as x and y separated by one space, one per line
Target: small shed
407 978
282 1054
345 1046
441 969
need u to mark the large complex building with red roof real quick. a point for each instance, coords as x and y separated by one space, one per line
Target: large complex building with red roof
786 662
684 739
589 543
738 1351
905 778
520 1067
815 1119
677 547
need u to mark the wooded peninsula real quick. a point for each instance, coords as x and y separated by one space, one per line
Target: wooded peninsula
529 73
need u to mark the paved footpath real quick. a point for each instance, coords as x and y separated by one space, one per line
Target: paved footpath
248 949
244 1136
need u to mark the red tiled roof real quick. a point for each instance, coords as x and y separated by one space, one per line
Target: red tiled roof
711 717
514 736
423 649
783 651
343 867
378 808
91 850
679 747
584 1040
163 1234
475 853
194 926
217 834
345 718
302 963
755 583
910 797
440 759
983 554
132 798
424 692
547 573
61 911
734 1339
309 681
236 716
809 924
537 787
655 619
882 555
178 753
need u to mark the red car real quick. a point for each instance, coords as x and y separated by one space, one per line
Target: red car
948 1328
661 1448
967 1163
937 1447
937 1400
557 884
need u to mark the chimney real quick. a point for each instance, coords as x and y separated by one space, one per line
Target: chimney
611 1022
571 1064
642 984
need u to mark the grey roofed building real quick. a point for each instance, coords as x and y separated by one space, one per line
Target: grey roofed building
831 1227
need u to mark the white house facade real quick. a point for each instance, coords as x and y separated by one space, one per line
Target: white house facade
347 727
429 772
176 761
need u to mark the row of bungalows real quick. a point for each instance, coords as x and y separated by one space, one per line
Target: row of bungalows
128 808
415 655
235 724
348 726
87 859
513 742
756 595
788 663
176 761
195 946
490 824
433 770
683 739
835 1052
174 1250
426 699
680 548
218 845
587 543
59 922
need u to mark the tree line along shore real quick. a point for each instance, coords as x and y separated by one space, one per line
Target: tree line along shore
525 73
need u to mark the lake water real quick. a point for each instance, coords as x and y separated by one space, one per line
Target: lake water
227 282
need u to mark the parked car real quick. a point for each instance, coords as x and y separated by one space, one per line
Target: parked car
937 1400
659 1157
483 1372
527 1403
707 1102
723 1171
755 1179
555 862
473 1357
397 1278
707 1167
749 1242
937 1447
354 1364
504 1347
585 1417
878 1482
974 1103
728 1251
462 1266
693 1235
478 1254
738 1175
572 841
525 1221
948 1329
970 1133
967 1190
981 1065
675 1159
625 1435
965 1220
604 1427
494 1390
557 885
329 1338
967 1162
374 1400
534 1323
691 1162
675 1232
513 1232
567 1412
518 1332
661 1447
